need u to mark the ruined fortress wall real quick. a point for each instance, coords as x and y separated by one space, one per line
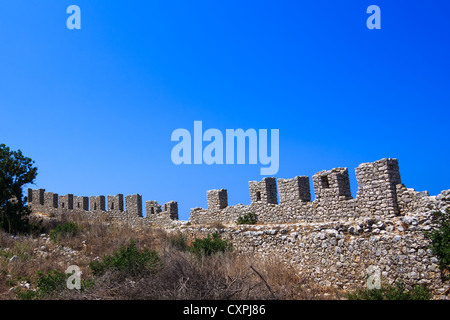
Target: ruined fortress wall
134 204
217 199
115 203
380 194
100 208
294 189
334 239
81 203
343 254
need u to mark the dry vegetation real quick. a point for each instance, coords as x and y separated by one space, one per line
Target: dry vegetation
180 274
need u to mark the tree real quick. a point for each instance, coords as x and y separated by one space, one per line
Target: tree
16 170
440 240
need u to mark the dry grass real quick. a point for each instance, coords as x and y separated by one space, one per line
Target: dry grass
182 275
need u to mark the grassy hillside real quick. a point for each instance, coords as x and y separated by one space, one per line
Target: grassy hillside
121 262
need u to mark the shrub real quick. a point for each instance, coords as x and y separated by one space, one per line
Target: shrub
440 239
178 241
395 292
47 284
129 261
218 225
249 218
210 245
68 229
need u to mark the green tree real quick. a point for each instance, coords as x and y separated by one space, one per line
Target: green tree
440 239
16 170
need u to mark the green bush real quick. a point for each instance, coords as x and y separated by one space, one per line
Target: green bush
440 239
395 292
51 281
47 284
68 229
129 261
210 245
249 218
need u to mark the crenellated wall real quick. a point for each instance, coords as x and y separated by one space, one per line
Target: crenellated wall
378 185
112 207
115 203
294 189
264 191
335 239
380 195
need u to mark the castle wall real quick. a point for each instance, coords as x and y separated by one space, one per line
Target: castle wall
334 240
97 203
171 208
343 254
161 215
377 187
37 196
115 203
380 195
133 204
294 189
81 203
152 207
50 200
217 199
376 197
65 202
264 191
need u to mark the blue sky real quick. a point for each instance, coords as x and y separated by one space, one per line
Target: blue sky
95 108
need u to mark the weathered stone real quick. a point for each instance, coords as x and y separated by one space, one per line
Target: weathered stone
383 226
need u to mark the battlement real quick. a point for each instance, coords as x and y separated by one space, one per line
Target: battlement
161 214
332 185
133 204
49 202
115 202
264 191
376 196
97 203
294 189
81 203
51 199
66 202
217 199
377 183
171 208
380 194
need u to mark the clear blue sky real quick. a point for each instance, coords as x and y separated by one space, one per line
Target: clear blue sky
95 108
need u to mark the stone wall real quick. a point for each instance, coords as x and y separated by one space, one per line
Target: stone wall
95 207
380 195
217 199
65 201
115 203
335 239
81 203
294 189
97 203
134 204
378 184
264 191
51 199
342 254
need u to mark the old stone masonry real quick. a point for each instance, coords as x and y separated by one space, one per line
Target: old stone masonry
336 240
